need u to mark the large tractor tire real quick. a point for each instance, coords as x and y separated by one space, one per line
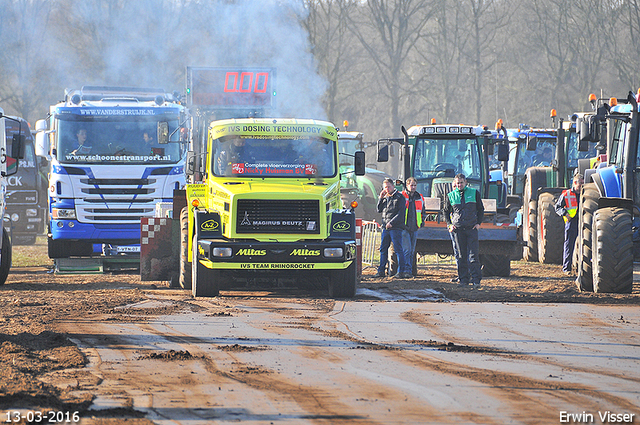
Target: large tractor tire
550 231
588 206
495 265
185 264
612 253
529 221
5 257
342 283
204 281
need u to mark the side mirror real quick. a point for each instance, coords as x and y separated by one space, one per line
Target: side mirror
17 146
163 133
42 144
489 148
190 163
383 153
503 152
41 125
532 143
359 163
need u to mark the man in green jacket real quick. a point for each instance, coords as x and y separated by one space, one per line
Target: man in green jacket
464 211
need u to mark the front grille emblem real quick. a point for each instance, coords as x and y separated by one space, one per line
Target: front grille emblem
245 220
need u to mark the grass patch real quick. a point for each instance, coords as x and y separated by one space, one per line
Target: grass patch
35 255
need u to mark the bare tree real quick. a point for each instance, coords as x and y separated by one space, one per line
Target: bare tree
25 69
389 31
327 24
625 42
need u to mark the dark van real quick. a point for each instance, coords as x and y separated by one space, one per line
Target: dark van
26 190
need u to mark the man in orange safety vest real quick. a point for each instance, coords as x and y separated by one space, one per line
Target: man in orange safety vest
413 219
567 207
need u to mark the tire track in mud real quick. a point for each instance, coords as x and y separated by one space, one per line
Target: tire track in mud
321 404
419 318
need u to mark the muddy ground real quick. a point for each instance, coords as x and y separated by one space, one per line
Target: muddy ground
34 301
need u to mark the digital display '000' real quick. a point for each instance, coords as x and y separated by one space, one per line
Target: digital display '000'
246 82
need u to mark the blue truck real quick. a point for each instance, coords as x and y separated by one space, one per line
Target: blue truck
110 164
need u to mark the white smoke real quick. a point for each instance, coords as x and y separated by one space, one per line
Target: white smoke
149 43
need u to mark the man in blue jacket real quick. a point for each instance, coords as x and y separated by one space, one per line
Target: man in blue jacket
392 206
464 211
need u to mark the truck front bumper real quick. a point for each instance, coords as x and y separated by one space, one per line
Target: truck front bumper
276 256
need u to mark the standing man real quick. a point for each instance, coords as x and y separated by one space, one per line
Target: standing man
567 207
464 212
414 216
392 206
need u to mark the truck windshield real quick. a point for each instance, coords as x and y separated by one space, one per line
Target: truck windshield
541 157
573 155
446 158
116 140
443 159
273 157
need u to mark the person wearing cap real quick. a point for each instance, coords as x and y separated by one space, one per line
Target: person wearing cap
567 207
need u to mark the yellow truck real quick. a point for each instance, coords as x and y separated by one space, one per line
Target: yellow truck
268 207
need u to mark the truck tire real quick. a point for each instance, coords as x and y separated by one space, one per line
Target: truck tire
342 283
185 264
529 220
588 206
204 281
612 252
495 265
550 231
5 257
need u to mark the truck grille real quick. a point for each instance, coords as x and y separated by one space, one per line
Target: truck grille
278 216
116 200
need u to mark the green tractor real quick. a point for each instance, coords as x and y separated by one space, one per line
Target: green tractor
434 154
363 189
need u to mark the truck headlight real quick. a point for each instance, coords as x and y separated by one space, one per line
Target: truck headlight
222 252
63 214
15 217
333 252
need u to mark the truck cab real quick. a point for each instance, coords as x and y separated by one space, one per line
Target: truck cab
269 206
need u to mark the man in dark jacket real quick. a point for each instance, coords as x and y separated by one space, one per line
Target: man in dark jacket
464 212
392 206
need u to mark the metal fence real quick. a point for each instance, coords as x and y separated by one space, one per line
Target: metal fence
371 237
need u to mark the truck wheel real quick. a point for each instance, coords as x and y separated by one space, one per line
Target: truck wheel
588 205
495 265
612 255
185 264
550 231
529 220
342 283
5 257
204 281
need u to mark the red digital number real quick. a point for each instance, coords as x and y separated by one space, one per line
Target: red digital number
243 82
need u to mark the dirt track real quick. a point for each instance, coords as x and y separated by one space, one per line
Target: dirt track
263 354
